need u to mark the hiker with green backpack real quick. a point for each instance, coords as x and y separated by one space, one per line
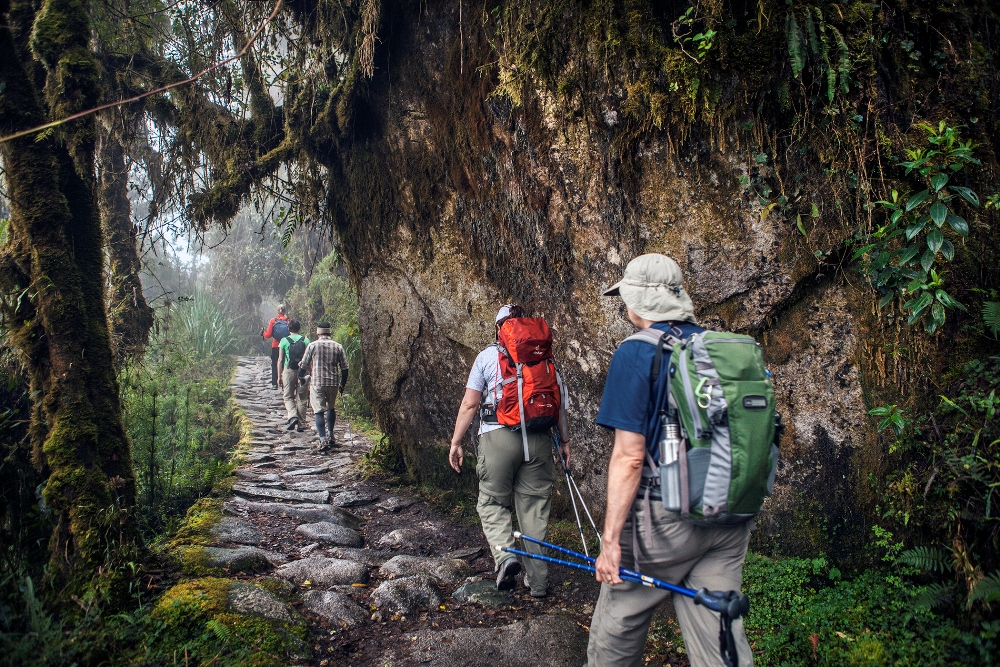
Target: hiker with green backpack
694 456
295 391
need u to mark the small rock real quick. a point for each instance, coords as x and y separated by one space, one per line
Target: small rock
252 491
397 538
353 498
484 593
308 471
331 533
406 595
369 557
259 458
396 503
309 548
469 554
324 571
334 607
443 570
315 485
262 466
243 559
250 599
232 529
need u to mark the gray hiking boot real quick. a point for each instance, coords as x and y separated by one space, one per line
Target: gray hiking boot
507 573
293 424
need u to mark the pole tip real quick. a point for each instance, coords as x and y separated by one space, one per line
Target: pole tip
517 534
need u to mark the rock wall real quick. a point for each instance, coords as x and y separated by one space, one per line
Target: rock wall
475 204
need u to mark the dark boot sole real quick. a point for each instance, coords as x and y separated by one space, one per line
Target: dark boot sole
507 576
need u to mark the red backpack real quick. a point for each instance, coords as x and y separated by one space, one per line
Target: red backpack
526 359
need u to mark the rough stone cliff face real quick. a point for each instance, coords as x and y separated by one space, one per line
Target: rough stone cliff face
478 204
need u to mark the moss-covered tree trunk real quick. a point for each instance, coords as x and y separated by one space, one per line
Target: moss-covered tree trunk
53 263
130 317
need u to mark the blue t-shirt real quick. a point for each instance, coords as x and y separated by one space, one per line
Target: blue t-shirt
627 403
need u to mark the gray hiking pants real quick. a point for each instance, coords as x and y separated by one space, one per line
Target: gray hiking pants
504 476
296 398
680 553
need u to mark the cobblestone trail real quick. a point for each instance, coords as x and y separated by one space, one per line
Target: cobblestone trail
382 577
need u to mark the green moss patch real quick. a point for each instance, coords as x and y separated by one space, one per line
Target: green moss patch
195 617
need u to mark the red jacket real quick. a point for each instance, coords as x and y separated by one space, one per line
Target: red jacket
270 326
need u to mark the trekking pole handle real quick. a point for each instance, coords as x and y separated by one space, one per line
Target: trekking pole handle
727 603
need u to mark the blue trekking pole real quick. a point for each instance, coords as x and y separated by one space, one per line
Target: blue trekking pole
728 604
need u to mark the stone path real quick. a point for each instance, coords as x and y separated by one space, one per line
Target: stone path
382 577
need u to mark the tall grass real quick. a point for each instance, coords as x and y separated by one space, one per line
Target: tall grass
204 328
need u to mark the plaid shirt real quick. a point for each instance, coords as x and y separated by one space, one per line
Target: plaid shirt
322 358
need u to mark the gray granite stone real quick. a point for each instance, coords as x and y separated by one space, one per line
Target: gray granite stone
304 513
243 559
233 529
484 593
396 503
249 599
334 607
256 491
353 498
443 570
301 472
397 538
314 485
370 557
322 571
406 595
331 533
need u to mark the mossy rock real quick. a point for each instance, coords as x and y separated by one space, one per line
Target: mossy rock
197 525
197 615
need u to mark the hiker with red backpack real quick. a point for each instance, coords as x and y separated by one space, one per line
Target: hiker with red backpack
695 450
276 330
295 391
520 397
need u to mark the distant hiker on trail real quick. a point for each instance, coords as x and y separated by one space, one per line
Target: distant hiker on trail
295 393
678 508
277 329
321 361
515 464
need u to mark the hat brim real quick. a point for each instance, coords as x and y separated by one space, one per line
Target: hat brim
614 290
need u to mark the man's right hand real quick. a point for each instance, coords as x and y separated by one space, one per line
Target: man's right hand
609 562
456 457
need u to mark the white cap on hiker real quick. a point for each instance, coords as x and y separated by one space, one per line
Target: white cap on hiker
653 289
508 311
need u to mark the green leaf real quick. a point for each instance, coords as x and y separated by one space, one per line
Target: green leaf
815 210
897 214
935 239
887 299
927 260
939 181
958 223
917 199
802 230
909 254
916 227
937 316
918 306
939 212
966 194
948 250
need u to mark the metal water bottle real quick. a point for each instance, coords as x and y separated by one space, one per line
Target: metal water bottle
670 480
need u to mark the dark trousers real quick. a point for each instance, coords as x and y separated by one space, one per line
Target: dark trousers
274 365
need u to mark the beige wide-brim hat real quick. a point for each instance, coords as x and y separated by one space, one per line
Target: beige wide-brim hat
653 289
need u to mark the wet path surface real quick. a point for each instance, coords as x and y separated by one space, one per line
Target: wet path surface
382 577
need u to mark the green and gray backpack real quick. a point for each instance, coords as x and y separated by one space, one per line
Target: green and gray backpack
721 467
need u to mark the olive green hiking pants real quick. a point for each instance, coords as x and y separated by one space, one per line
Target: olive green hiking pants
680 553
506 480
296 398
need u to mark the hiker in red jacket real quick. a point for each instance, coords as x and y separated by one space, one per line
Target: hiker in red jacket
276 334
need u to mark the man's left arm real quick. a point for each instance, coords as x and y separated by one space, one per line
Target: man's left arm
624 475
343 369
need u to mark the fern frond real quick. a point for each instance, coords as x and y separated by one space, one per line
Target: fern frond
814 41
927 559
932 595
987 590
991 316
220 630
796 45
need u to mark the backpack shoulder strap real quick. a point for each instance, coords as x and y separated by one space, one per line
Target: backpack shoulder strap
647 335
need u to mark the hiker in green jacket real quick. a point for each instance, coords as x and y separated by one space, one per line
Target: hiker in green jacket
295 392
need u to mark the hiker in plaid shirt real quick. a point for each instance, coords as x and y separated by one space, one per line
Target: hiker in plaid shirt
321 361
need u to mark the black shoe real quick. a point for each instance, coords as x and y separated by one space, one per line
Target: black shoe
509 569
293 424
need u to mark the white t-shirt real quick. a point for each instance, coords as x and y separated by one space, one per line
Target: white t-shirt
484 377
